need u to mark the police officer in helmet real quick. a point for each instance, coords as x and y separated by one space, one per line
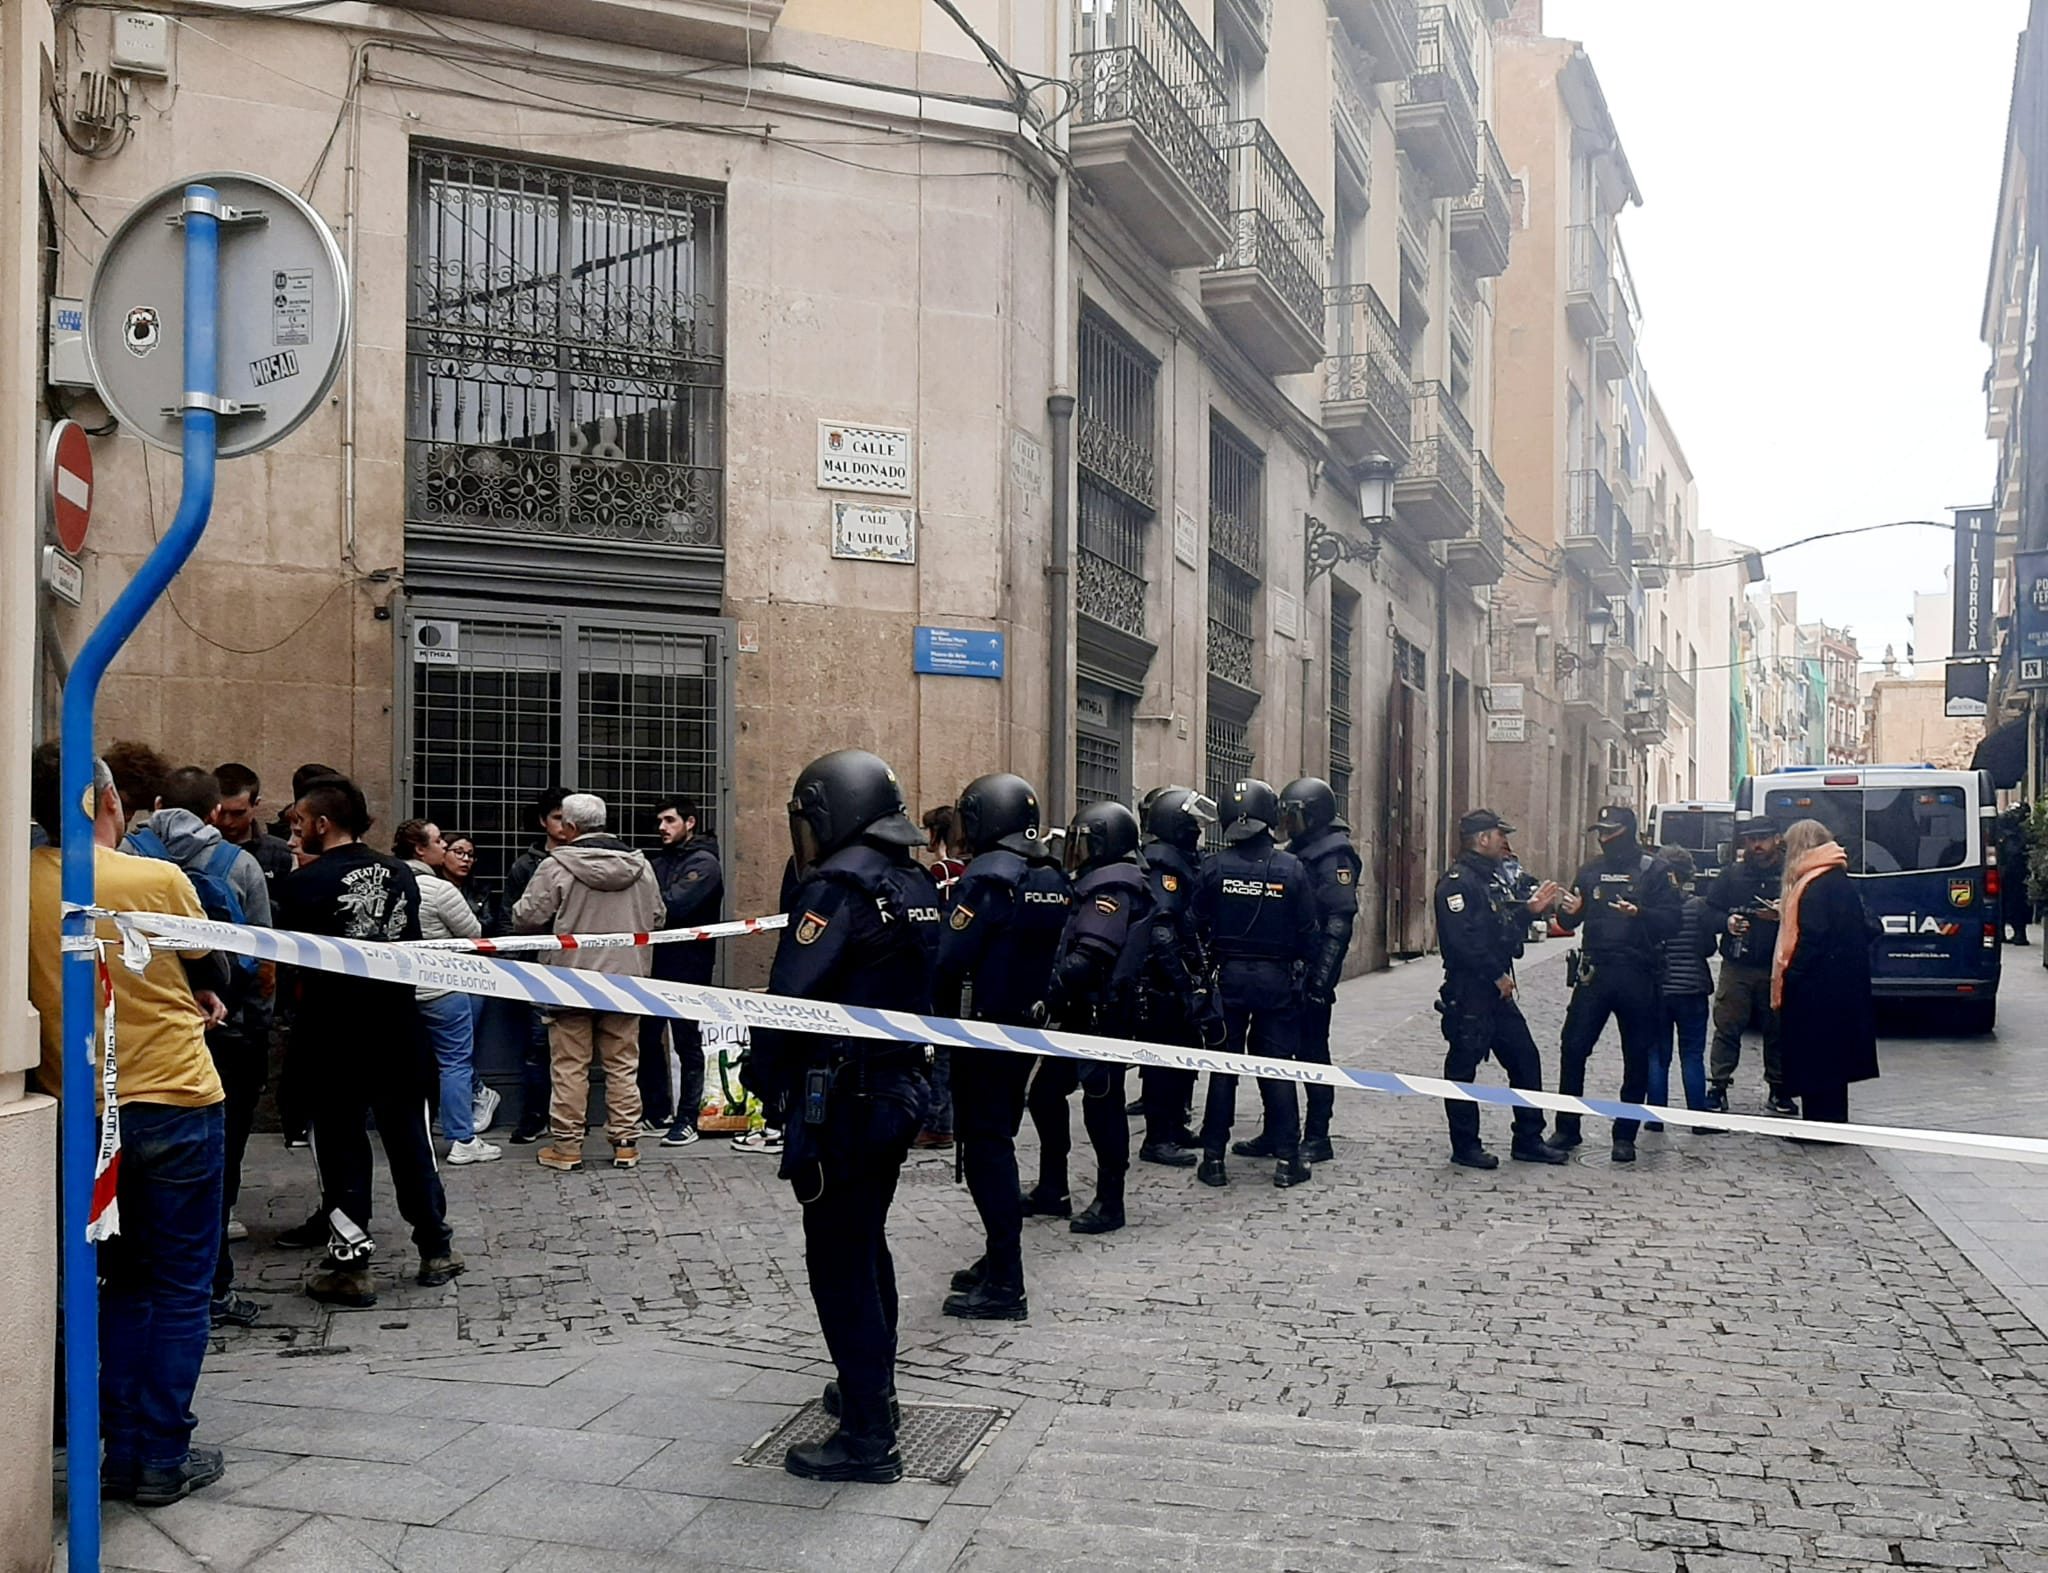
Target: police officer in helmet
995 958
1629 906
1094 989
1481 926
1316 833
1254 906
863 930
1176 996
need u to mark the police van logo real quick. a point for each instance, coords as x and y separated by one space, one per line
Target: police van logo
1961 893
962 916
1455 902
811 927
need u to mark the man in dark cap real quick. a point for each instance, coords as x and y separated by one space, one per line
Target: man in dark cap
1628 905
1742 903
1481 925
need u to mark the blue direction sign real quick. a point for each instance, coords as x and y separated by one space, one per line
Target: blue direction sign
959 652
2030 621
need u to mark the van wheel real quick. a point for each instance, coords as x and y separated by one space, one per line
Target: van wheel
1979 1017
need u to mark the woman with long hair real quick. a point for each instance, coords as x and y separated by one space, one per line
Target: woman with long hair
1820 975
449 1022
458 867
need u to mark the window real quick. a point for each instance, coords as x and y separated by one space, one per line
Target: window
1236 553
1343 623
1904 830
1227 762
1102 745
1117 455
564 357
1411 664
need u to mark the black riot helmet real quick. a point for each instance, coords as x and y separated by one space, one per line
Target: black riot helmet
1179 816
841 797
1101 833
1001 811
1307 808
1254 806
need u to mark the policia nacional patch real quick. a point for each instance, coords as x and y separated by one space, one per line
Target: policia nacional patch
811 927
1455 902
962 916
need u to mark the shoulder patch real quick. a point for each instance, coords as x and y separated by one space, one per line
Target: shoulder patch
1106 905
693 876
811 927
1344 876
1171 882
962 916
1455 901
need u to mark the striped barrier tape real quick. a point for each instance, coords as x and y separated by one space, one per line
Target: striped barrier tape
516 944
569 988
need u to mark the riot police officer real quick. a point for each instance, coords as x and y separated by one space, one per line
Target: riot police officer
863 931
995 957
1094 989
1176 972
1629 905
1254 908
1317 834
1482 923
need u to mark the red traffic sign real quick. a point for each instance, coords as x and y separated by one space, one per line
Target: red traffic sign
67 483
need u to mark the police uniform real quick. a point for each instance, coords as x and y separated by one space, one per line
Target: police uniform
1333 868
996 950
864 922
1620 968
1094 990
1173 996
1254 909
1481 924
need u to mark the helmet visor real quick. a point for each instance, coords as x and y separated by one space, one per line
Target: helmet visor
1077 847
1293 819
804 848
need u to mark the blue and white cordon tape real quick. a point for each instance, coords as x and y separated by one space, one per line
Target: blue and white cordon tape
575 989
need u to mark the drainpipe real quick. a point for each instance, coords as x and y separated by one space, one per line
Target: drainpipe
1059 406
1443 708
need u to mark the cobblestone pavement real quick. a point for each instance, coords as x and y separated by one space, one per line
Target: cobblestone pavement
1739 1354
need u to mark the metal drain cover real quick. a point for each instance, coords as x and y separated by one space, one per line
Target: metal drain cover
939 1442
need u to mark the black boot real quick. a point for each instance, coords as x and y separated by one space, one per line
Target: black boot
1258 1147
999 1297
1168 1154
1566 1136
831 1402
1534 1149
863 1448
1211 1172
1105 1215
1474 1157
1316 1149
1038 1202
1623 1151
969 1277
1290 1170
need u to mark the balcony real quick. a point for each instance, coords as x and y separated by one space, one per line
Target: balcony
1589 698
1435 123
709 29
1433 494
1482 557
1482 220
1647 717
1678 689
1588 289
1592 523
1368 397
1650 552
1385 31
1351 124
1614 352
1266 289
1138 137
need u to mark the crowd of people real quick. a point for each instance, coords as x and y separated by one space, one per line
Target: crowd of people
1189 922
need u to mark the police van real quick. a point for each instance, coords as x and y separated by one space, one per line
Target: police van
1924 854
1706 830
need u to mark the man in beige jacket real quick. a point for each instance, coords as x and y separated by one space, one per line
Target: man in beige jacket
595 884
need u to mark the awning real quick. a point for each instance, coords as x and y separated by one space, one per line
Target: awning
2004 754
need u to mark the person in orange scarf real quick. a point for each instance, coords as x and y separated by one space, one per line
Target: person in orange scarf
1820 975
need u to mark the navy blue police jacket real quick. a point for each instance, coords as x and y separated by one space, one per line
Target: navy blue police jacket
1333 865
1255 910
1001 932
1175 963
1102 951
1480 922
1624 872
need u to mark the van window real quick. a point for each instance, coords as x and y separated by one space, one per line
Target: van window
1697 830
1885 830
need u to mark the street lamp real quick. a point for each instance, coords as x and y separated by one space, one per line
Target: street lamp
1327 548
1599 623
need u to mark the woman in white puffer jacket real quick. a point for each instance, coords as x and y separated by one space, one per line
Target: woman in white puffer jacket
444 914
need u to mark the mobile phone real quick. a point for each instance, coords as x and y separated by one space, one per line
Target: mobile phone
817 1088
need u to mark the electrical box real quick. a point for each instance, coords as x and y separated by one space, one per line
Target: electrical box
67 367
142 43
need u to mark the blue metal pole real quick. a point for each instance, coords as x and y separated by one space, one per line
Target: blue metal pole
81 697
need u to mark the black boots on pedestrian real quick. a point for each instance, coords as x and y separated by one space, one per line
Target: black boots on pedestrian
1168 1154
1316 1149
833 1405
1105 1215
1624 1151
1290 1170
1566 1136
1212 1172
863 1448
1474 1157
998 1297
1534 1149
968 1277
1257 1147
1038 1202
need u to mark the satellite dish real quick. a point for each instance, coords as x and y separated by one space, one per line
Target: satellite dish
283 314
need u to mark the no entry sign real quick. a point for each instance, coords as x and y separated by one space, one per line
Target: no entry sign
67 484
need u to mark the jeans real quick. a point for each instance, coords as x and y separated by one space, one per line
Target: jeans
657 1101
451 1030
1686 1015
156 1281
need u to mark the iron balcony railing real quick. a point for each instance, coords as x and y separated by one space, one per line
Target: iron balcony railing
1441 447
1165 36
1492 198
1367 362
1677 686
1275 225
1589 511
1121 84
1586 263
1443 69
1351 115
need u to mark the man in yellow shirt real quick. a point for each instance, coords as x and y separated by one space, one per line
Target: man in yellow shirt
156 1275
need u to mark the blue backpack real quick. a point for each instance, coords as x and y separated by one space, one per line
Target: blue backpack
210 881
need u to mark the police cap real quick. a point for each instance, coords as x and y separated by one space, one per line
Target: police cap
1615 816
1755 829
1481 820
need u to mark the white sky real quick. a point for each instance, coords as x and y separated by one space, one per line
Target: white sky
1819 181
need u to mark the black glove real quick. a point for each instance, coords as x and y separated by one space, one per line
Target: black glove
1209 1020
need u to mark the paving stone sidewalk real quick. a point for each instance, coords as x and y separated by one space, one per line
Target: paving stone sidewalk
1739 1354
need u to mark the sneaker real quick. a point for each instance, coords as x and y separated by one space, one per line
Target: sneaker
346 1284
199 1468
765 1140
475 1150
680 1134
650 1126
236 1230
438 1270
300 1139
564 1159
308 1236
1717 1100
234 1310
483 1108
1782 1106
529 1131
625 1155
